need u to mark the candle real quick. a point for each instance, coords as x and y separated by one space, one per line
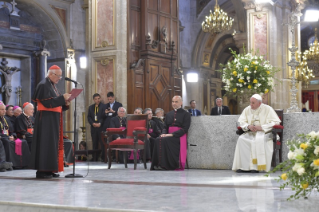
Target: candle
83 118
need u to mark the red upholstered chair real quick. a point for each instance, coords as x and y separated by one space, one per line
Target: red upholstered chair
136 129
277 129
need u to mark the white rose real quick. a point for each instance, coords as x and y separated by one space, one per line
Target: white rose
301 171
316 150
296 167
299 152
291 155
313 134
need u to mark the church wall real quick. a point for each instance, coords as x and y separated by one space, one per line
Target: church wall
106 48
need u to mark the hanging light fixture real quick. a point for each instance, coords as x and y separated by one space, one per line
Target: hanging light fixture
313 52
303 73
217 22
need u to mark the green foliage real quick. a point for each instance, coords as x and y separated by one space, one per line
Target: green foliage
248 73
301 170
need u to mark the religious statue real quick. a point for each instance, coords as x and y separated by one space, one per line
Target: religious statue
7 72
164 34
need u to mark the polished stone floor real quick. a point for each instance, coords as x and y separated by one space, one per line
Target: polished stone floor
121 189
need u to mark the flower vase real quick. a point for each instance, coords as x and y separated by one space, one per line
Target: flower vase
243 100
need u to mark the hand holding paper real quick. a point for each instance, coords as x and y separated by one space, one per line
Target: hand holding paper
74 93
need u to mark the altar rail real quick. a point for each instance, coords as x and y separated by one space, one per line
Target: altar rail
215 138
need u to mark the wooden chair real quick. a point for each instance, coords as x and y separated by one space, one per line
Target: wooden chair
106 146
277 129
136 127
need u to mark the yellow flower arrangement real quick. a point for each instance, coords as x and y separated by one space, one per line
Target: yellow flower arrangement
248 72
266 90
301 169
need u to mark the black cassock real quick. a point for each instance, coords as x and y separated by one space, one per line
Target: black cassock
21 126
154 132
166 149
160 123
46 144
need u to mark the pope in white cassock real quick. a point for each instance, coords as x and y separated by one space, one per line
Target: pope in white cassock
255 147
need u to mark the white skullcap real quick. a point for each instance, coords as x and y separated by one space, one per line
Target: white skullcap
257 96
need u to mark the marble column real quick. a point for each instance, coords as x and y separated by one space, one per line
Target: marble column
43 55
1 47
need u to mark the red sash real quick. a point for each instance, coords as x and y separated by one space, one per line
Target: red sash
61 149
30 130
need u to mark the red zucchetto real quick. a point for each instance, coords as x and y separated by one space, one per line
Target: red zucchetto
25 104
54 67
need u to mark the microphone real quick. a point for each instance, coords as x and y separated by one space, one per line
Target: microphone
68 79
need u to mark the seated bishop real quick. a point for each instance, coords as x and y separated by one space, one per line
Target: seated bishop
24 123
170 148
255 147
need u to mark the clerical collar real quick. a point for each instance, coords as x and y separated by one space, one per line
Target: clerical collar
26 115
177 108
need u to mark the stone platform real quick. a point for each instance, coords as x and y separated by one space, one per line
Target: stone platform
215 138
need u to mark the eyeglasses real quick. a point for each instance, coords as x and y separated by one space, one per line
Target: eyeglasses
60 76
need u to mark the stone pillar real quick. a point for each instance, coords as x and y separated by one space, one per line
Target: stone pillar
266 33
1 47
241 42
43 66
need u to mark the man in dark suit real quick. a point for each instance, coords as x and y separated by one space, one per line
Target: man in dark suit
96 119
111 109
193 111
220 109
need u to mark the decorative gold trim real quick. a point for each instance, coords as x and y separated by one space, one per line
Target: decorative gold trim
105 62
104 45
261 167
255 161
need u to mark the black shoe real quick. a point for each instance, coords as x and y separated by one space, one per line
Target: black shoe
242 171
254 171
55 175
9 169
66 165
43 175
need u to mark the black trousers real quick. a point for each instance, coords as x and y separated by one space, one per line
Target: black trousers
2 153
5 141
96 140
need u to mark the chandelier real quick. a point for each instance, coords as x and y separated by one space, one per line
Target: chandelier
217 22
303 73
313 52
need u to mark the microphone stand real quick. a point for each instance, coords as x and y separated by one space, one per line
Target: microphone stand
73 175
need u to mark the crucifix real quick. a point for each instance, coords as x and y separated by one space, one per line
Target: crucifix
7 72
13 5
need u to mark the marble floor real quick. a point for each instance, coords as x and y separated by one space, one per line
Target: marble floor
121 189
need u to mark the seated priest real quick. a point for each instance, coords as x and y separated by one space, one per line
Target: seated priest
159 119
24 124
170 148
10 118
119 121
5 134
153 132
138 111
16 112
255 147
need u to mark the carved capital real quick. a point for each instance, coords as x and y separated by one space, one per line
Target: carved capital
42 53
250 4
